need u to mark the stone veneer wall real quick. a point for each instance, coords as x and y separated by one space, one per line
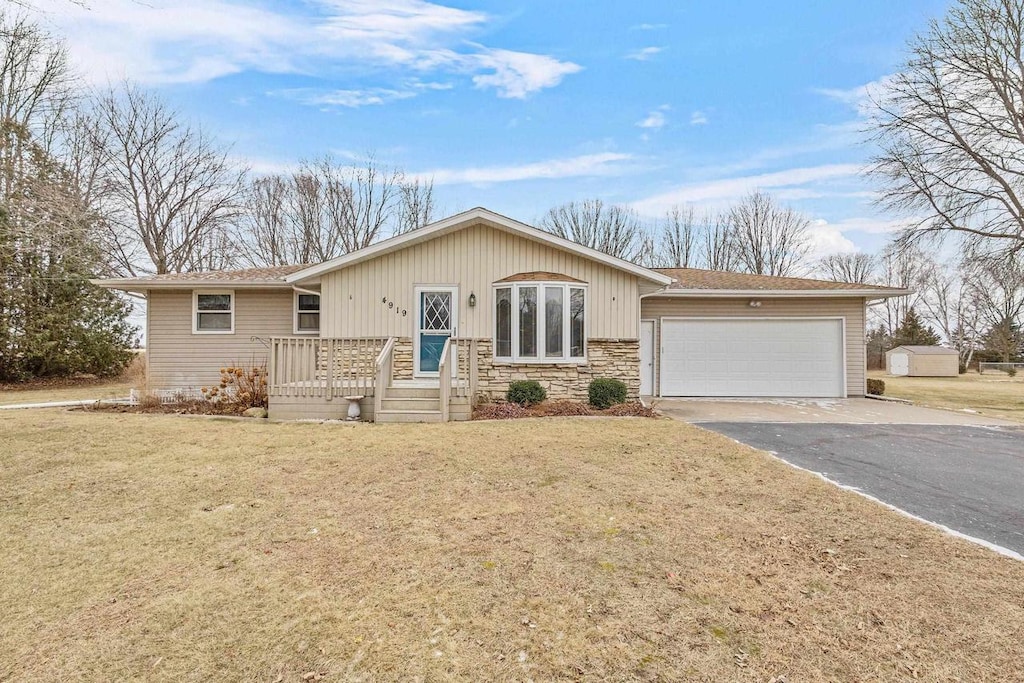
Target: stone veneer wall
614 358
401 359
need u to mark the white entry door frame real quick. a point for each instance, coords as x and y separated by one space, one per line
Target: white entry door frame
646 357
437 319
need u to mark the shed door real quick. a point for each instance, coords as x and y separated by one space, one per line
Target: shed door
752 357
899 364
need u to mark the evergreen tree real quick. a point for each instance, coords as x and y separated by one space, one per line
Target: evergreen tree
1005 341
53 321
914 332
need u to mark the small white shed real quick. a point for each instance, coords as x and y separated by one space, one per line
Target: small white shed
922 361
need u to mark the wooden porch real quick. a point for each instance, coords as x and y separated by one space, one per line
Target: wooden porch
314 377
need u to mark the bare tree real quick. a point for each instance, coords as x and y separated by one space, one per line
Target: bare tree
998 287
326 209
265 230
36 89
902 267
416 205
768 239
170 192
614 230
949 302
951 132
859 267
677 245
717 246
360 200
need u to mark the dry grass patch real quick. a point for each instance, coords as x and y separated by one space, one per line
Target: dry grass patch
168 548
993 393
81 390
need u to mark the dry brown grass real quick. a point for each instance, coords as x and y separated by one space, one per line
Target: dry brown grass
993 393
190 549
77 388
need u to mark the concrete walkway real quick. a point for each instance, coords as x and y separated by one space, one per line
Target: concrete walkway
821 411
62 404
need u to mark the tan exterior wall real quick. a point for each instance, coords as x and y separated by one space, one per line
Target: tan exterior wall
177 358
931 365
353 299
853 310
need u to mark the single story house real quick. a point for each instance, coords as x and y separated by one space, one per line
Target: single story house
424 323
922 361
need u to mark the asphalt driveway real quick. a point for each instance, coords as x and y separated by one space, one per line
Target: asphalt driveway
944 467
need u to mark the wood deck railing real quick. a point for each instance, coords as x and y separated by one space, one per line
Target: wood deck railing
382 368
327 368
319 367
462 364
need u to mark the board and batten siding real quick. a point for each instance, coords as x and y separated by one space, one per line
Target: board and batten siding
179 359
853 310
355 299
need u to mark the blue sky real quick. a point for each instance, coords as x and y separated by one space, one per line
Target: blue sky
518 106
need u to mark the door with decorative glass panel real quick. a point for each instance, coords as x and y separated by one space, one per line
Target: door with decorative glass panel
437 315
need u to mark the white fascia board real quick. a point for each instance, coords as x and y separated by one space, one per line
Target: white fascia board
130 284
777 293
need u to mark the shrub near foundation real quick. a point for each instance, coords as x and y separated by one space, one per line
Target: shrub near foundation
525 392
876 387
605 392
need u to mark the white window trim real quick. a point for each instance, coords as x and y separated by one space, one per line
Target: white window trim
295 313
195 310
540 358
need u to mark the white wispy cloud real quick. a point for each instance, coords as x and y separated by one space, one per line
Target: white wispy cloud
654 120
647 27
787 184
645 53
190 41
859 98
698 118
344 98
600 164
357 97
872 225
517 74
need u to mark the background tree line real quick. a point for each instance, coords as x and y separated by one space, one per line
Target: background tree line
117 182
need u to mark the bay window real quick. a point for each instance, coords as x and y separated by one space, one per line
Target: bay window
540 322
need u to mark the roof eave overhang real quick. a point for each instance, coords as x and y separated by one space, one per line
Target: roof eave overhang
135 285
779 293
465 219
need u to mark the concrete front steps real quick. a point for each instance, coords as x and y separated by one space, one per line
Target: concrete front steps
419 404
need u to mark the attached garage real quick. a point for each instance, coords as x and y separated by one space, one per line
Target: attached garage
720 334
787 357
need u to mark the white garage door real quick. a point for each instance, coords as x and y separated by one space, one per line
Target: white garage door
762 357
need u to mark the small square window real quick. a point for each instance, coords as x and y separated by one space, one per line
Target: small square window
214 312
307 313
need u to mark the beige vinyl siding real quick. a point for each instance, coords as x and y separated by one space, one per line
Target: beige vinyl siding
354 298
177 358
934 365
853 310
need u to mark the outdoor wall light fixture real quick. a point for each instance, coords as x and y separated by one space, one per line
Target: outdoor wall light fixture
472 299
755 303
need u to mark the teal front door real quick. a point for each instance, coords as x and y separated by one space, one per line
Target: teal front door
436 316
